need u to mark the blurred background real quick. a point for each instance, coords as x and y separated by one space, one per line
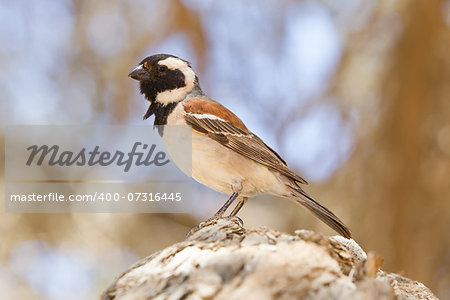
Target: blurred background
354 94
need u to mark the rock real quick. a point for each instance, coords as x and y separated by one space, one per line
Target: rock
222 260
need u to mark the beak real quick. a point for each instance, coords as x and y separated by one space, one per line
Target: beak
139 73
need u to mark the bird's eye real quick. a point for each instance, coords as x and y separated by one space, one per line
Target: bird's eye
162 68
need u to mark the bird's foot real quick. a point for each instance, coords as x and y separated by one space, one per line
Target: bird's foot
214 220
231 218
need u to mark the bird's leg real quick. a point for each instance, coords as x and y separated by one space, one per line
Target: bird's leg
238 207
220 212
224 207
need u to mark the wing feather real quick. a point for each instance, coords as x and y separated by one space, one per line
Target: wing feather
242 142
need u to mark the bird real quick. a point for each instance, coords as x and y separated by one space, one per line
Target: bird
226 156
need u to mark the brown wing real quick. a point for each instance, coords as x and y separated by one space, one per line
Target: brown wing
209 107
242 141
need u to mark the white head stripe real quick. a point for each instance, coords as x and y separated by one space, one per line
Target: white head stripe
189 80
174 63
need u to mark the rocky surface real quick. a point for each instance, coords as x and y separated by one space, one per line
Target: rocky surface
222 260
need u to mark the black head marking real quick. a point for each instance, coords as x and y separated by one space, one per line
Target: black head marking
154 79
159 78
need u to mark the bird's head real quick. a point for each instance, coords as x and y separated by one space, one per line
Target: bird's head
164 79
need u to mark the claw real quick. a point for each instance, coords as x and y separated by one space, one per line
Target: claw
237 218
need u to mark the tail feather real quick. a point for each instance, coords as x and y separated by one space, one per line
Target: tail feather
321 212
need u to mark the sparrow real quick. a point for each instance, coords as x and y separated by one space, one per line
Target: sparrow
226 156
